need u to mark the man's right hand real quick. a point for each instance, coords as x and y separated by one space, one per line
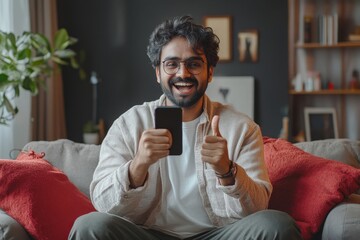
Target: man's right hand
154 144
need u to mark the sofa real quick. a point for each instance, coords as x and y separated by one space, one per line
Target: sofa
74 163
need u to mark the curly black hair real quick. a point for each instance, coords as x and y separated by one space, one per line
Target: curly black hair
201 39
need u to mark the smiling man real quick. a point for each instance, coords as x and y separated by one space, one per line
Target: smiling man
217 189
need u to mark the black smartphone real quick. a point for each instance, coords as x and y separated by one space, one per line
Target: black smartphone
171 118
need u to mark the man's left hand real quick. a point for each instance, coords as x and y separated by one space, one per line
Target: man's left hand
214 149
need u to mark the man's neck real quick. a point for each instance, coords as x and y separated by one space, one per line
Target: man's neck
190 113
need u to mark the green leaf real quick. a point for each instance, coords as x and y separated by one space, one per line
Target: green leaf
61 37
8 106
40 43
74 63
3 77
17 90
66 53
72 40
38 61
4 80
26 53
11 41
59 61
29 84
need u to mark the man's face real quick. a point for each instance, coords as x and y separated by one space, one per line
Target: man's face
181 86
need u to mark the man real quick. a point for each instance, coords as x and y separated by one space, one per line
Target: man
217 189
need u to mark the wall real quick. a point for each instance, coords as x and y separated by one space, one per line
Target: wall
114 35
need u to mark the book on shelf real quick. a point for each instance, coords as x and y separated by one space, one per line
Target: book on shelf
354 37
328 29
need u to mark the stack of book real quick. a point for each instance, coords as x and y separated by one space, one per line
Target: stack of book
354 37
328 29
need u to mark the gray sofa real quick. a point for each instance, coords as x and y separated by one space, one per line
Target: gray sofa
78 162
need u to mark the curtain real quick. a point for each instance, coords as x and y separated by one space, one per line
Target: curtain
47 110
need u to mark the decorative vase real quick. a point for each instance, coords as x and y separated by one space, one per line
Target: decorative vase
91 138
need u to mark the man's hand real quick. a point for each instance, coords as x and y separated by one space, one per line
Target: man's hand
154 144
214 149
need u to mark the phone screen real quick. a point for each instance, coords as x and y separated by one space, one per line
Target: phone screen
171 118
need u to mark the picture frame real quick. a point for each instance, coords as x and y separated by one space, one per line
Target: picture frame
320 123
222 27
237 91
248 46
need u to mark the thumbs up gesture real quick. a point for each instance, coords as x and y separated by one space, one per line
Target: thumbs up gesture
215 126
214 149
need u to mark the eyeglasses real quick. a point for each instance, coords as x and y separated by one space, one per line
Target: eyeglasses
194 66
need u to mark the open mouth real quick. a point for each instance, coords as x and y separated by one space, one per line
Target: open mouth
181 85
184 87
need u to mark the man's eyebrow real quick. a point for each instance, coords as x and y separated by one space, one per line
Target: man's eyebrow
189 58
171 58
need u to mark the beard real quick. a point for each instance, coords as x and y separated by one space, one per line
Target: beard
186 101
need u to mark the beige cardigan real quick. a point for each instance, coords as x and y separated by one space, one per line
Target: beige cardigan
110 190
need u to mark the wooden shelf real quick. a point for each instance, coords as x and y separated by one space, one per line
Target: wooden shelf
334 62
338 45
327 92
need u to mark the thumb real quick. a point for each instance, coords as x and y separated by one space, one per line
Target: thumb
215 126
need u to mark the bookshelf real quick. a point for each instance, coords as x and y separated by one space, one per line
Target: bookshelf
322 60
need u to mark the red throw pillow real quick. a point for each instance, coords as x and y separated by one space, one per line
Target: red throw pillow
40 197
306 186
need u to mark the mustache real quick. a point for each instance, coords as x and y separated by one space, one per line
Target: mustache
185 80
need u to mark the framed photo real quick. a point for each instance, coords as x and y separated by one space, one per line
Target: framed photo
248 45
320 123
222 27
238 91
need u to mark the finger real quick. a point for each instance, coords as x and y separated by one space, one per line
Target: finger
158 131
159 134
212 139
209 153
215 126
167 133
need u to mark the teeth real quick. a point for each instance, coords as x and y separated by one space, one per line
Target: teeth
183 84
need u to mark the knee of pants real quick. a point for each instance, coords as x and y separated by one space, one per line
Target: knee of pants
96 221
278 218
342 222
277 221
11 229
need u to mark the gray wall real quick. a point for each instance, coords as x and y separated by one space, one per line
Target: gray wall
114 35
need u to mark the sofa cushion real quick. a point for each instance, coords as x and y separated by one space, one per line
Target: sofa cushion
306 186
342 150
77 160
40 197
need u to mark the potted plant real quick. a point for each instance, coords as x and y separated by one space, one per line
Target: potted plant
25 63
91 133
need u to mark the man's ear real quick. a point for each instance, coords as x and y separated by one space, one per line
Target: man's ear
211 71
157 70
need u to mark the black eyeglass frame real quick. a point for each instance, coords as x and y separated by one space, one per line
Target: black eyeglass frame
185 65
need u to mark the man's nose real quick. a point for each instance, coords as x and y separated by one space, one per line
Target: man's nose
183 72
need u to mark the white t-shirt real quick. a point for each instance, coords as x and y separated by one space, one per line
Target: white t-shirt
182 213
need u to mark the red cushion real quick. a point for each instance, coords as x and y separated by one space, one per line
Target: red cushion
306 186
40 197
